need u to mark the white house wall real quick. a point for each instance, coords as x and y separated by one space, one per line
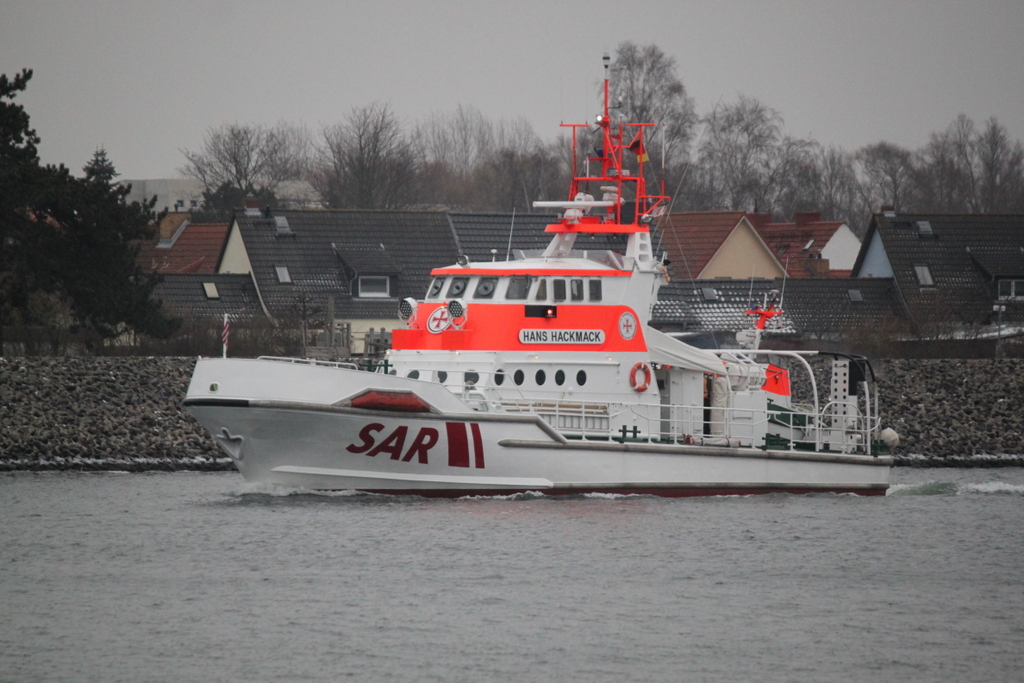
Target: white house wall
876 261
842 249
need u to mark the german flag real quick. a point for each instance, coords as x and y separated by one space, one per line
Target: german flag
637 148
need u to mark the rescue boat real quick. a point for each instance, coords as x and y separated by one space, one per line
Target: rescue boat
540 373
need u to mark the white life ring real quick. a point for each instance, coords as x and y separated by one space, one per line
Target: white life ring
640 386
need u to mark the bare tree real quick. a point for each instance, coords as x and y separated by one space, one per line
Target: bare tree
367 162
454 146
746 162
1000 170
886 173
249 157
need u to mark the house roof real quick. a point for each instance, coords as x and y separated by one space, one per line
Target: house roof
325 251
692 238
794 243
480 233
815 307
191 248
188 294
964 255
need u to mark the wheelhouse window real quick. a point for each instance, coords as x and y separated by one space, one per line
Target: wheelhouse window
485 288
558 290
283 276
595 290
924 276
542 290
1011 289
435 288
458 287
576 290
374 286
518 287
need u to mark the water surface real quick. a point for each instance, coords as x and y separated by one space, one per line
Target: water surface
199 577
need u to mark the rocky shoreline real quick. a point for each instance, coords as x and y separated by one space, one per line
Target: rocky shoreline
125 414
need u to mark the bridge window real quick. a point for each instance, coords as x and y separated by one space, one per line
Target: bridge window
595 290
542 290
518 287
435 287
485 288
458 287
576 290
558 290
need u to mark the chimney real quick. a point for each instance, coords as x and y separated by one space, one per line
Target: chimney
805 217
252 206
818 267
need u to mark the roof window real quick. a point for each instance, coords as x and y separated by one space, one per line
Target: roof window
709 293
924 229
924 276
211 290
283 276
281 227
854 295
807 247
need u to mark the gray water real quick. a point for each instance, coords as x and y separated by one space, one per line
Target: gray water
202 577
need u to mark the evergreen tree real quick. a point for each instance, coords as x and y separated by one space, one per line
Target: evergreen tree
75 238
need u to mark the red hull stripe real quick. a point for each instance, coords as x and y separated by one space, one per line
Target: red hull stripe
458 444
478 445
562 272
674 492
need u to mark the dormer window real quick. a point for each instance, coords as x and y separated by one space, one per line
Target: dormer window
374 286
1011 289
283 276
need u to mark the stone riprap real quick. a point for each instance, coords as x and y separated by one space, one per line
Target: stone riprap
125 413
86 413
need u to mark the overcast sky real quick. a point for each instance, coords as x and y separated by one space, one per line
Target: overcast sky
145 79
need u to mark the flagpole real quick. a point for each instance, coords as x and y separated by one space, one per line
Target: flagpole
224 337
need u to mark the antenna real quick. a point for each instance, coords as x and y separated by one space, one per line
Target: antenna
508 251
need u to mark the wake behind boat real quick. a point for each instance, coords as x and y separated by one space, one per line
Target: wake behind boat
542 374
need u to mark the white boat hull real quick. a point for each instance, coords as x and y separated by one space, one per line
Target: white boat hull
323 444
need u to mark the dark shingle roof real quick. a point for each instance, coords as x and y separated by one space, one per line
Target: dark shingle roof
964 254
184 294
812 307
327 250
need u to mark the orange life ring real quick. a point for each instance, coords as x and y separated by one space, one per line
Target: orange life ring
640 387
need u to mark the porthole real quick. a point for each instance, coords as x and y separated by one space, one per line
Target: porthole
442 376
392 371
413 374
471 378
581 377
518 377
559 377
499 377
540 377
